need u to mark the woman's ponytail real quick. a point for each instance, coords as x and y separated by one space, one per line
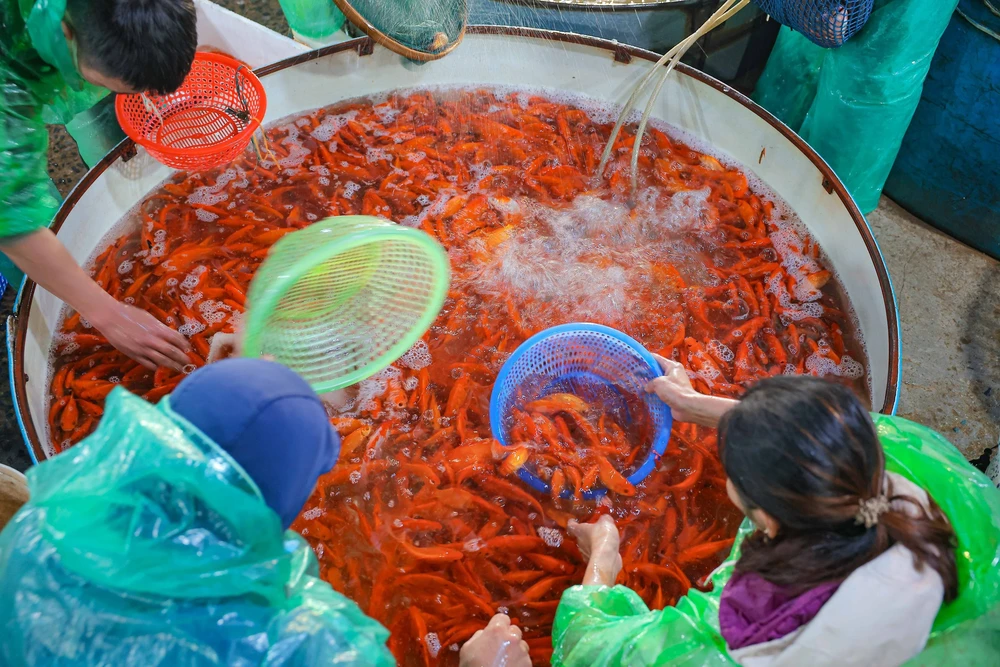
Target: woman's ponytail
926 532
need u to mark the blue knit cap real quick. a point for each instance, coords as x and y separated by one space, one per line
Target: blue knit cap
269 420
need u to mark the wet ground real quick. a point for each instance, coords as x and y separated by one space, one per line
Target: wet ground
947 294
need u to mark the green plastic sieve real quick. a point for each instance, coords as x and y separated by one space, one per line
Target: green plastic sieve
345 297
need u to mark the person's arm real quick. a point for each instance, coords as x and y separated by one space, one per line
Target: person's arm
687 405
599 543
133 331
27 206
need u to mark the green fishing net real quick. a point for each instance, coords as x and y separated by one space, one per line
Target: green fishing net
597 626
419 29
853 104
147 545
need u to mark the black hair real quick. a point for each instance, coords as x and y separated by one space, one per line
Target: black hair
806 451
148 44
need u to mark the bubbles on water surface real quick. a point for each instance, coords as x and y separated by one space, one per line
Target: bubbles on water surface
588 260
433 644
720 350
331 125
822 366
313 513
417 357
553 537
190 327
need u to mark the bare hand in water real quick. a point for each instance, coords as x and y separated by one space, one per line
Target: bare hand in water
499 644
141 336
599 543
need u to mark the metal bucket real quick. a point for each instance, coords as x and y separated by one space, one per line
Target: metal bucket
691 101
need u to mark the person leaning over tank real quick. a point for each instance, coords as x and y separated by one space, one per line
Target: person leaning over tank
54 65
848 565
162 538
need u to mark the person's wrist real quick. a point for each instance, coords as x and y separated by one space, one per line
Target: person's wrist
99 309
606 559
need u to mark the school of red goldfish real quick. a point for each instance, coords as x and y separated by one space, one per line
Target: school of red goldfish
424 522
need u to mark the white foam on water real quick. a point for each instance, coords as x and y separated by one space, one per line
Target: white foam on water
191 280
793 310
190 299
720 350
205 216
331 125
190 327
431 208
417 357
375 155
822 366
587 260
433 644
313 513
553 537
212 194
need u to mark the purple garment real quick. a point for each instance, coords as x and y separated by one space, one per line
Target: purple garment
754 611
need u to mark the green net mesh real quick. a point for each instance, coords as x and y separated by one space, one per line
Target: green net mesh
345 297
416 28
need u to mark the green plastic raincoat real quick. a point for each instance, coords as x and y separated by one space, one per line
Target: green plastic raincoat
146 544
600 626
853 104
40 86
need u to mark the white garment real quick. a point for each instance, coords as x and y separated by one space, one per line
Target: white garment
879 617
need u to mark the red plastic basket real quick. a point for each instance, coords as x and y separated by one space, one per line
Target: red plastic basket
205 123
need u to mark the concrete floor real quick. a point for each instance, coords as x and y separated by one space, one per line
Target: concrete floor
949 307
947 292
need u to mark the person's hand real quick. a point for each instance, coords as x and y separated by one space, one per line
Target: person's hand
499 644
141 336
599 543
686 404
675 389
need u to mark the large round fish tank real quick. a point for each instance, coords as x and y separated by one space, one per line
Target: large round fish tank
497 56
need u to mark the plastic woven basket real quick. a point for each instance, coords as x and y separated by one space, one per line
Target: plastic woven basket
594 362
205 123
345 297
828 23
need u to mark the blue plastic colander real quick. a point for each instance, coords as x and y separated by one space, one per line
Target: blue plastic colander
594 362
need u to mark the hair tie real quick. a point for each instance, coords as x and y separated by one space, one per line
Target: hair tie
870 510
